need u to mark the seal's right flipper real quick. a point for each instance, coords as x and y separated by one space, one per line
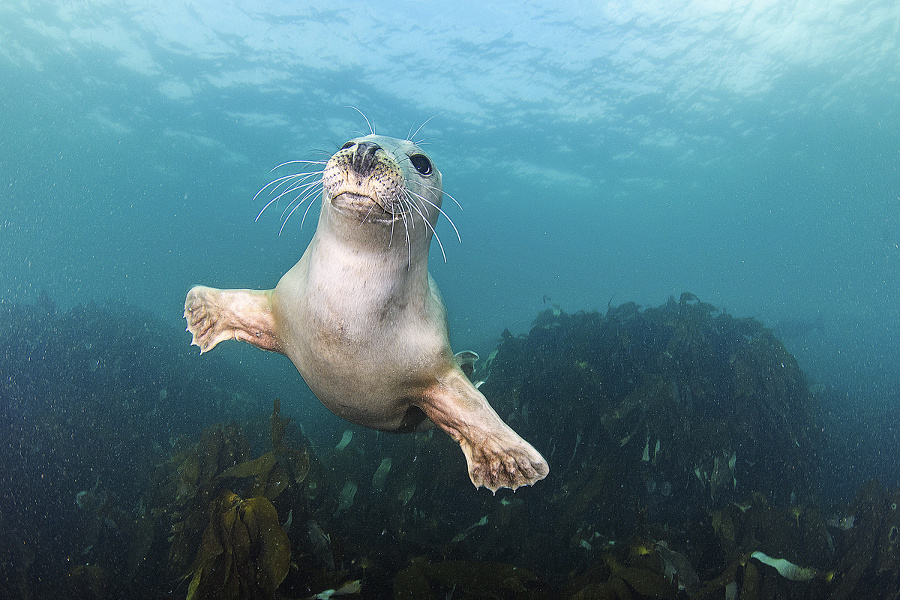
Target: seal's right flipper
216 315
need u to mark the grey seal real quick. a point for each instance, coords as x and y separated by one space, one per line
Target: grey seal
362 319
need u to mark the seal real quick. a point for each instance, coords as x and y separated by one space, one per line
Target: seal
362 319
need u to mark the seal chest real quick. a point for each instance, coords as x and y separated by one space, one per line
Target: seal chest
361 318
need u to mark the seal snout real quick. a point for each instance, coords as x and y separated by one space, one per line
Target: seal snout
363 160
364 179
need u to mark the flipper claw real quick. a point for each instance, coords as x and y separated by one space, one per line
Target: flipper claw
216 315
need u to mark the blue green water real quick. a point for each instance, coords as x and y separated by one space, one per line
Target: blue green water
748 153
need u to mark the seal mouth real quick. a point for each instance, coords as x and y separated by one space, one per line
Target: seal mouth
362 205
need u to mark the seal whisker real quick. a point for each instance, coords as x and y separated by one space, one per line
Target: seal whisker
408 242
303 175
455 201
269 203
301 197
295 162
296 203
309 206
290 180
406 210
302 184
420 210
289 216
414 133
280 181
391 238
366 218
452 224
301 179
371 129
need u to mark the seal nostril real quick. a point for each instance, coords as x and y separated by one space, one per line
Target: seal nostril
364 157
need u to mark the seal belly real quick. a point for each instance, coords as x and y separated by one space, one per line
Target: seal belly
382 384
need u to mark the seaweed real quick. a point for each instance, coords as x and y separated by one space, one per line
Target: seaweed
423 580
683 445
244 553
273 471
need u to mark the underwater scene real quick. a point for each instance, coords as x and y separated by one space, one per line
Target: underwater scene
663 360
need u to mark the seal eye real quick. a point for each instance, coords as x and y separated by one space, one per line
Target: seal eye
421 163
348 145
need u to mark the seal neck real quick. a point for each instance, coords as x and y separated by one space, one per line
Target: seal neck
404 243
380 274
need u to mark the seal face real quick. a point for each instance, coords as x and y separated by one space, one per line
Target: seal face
363 321
356 176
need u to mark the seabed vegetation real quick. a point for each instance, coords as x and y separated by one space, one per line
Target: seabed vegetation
686 453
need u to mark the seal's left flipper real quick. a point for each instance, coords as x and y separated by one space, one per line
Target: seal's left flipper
216 315
497 457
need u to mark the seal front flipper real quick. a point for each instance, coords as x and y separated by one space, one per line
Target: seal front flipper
216 315
497 457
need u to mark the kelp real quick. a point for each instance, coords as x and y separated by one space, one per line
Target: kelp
653 420
197 482
645 573
95 391
423 580
680 397
244 553
218 461
796 533
868 564
274 471
680 427
219 447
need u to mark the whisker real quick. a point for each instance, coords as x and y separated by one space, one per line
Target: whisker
408 241
309 206
264 209
391 238
302 197
368 214
437 189
407 221
371 129
289 216
299 162
424 199
294 182
410 137
275 199
427 224
298 185
301 184
278 181
407 208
